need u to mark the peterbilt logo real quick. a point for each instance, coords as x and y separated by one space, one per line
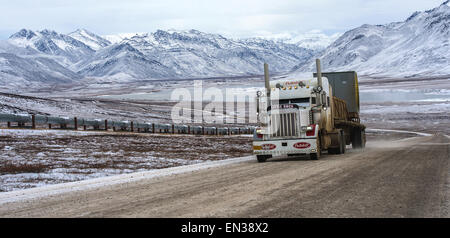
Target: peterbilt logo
302 145
268 146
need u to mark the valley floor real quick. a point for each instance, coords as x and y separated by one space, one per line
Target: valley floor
31 158
35 158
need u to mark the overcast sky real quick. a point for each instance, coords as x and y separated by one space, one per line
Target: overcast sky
232 18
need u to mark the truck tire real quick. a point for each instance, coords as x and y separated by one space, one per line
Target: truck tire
358 139
262 158
337 150
363 139
333 151
343 143
316 156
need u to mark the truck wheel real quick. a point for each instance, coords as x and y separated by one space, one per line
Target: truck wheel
316 156
343 142
358 139
332 151
261 158
363 139
336 150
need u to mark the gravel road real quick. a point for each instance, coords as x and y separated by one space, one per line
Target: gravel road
391 178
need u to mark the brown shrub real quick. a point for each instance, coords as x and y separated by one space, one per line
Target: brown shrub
10 168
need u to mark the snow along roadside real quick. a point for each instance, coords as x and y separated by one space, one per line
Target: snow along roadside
399 131
45 191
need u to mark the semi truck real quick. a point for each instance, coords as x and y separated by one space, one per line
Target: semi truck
308 116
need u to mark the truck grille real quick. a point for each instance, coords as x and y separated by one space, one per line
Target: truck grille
284 125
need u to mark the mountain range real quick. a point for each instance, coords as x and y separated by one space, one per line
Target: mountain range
32 58
420 45
417 46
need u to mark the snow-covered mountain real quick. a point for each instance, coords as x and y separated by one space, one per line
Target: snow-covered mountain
314 40
90 39
124 62
50 43
117 38
158 55
27 67
30 59
420 45
19 72
185 54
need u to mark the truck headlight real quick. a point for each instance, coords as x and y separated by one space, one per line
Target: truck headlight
307 128
259 133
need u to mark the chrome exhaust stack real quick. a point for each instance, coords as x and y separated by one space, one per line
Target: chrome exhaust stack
266 78
319 73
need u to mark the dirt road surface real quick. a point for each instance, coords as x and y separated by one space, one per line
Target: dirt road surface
396 178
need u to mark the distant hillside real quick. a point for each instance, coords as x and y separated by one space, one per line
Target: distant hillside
420 45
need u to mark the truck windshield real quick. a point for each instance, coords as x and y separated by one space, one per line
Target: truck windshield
303 102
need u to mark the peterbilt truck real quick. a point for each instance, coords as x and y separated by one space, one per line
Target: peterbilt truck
308 116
